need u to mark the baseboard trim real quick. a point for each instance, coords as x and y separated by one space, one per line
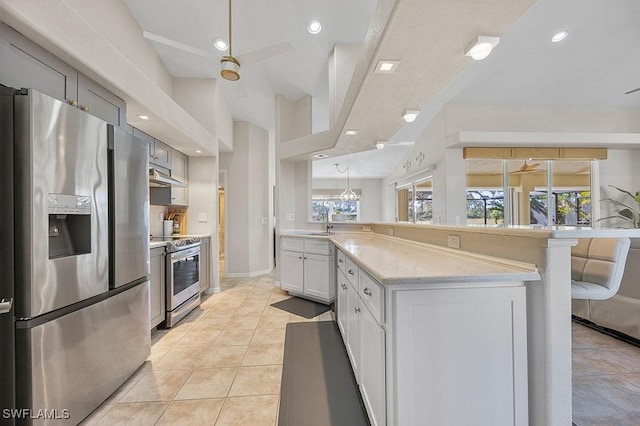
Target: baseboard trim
247 275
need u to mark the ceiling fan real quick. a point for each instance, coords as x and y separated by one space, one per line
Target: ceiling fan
229 64
527 168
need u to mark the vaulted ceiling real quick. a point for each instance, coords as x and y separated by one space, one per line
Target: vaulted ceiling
593 67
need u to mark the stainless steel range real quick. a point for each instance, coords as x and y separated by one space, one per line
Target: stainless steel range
183 276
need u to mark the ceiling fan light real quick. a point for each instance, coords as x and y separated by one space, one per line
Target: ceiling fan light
220 44
230 68
314 27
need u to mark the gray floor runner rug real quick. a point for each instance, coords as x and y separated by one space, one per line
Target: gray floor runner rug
318 386
301 307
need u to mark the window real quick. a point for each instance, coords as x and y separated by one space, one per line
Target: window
415 202
517 189
326 203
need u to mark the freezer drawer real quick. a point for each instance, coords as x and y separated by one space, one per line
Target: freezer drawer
76 361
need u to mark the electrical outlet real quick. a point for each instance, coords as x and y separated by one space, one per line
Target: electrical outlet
391 231
161 218
291 217
453 241
263 220
366 228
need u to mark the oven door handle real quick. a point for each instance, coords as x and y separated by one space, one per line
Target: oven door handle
183 254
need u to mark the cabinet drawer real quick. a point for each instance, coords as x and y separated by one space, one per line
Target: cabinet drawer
342 259
292 244
351 272
318 247
372 294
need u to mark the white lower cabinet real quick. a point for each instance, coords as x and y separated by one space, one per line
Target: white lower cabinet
307 268
351 341
341 307
157 287
435 354
292 271
372 366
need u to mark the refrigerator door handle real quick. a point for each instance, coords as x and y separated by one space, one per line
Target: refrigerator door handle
5 306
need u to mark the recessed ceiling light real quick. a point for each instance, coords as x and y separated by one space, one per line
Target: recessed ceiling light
320 155
386 67
559 36
143 117
220 43
380 145
482 47
410 115
350 132
314 27
198 151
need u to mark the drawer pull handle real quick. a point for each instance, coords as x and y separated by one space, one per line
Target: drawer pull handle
340 260
367 291
350 272
344 287
300 257
357 310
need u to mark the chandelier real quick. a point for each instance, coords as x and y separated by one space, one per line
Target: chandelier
348 194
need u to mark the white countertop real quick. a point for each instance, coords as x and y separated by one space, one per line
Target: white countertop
394 261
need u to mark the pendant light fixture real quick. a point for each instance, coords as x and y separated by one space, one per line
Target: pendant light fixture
348 194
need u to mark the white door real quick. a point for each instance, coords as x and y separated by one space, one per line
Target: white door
353 310
372 367
292 271
316 275
342 304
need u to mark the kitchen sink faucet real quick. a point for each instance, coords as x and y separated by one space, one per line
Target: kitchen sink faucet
326 219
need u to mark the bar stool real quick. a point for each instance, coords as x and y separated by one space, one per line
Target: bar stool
597 265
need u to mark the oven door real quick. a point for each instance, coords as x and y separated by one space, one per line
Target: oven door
183 277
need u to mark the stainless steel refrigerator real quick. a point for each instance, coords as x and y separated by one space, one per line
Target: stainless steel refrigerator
81 291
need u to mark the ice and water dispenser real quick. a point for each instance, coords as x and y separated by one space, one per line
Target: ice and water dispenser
69 225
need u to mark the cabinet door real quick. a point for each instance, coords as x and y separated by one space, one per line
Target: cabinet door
98 101
205 260
317 275
353 317
180 171
372 367
292 273
25 64
157 290
150 141
342 304
162 155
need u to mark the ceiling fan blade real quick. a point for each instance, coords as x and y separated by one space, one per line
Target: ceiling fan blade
177 45
264 53
632 91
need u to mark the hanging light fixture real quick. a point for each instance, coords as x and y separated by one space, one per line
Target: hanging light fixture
348 194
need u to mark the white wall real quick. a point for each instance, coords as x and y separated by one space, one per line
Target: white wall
247 202
370 199
126 36
202 212
197 96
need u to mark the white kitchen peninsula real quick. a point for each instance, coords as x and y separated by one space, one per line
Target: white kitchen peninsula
548 299
434 335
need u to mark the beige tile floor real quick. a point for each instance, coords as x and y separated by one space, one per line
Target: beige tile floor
221 365
606 380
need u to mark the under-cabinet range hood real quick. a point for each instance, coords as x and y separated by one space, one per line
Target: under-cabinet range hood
160 179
